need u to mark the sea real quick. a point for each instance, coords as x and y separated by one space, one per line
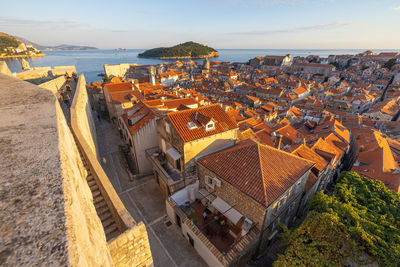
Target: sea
91 62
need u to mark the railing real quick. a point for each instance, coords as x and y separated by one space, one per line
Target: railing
173 185
199 232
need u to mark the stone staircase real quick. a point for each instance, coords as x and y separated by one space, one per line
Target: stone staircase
103 211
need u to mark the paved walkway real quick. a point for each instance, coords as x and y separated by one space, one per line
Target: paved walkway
64 107
143 199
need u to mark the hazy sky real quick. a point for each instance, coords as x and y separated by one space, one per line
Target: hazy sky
218 23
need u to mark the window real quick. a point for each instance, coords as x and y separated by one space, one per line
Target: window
209 181
210 126
167 129
130 142
163 146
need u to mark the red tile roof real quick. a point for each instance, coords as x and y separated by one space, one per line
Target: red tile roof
261 172
180 119
118 87
307 153
142 116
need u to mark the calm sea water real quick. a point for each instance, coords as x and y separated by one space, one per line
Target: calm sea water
90 62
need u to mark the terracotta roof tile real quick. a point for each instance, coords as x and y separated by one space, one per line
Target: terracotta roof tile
141 116
307 153
180 119
261 172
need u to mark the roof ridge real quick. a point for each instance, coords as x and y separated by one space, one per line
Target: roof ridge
191 110
262 173
290 154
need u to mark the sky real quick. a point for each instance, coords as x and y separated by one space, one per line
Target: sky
236 24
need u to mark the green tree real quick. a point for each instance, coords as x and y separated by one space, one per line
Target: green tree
361 217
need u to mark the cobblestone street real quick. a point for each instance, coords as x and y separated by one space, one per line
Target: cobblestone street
143 199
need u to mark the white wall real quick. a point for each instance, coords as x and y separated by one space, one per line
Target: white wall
144 139
201 248
182 196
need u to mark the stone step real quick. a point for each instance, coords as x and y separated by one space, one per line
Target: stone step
94 187
96 193
100 205
112 235
108 222
89 177
98 199
102 209
111 228
91 183
105 216
111 232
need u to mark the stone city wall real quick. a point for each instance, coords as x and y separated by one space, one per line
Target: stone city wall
47 211
131 248
4 68
54 85
87 244
81 115
117 70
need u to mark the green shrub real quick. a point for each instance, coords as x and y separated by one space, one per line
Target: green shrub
361 217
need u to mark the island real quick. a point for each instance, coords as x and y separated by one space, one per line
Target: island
186 50
10 48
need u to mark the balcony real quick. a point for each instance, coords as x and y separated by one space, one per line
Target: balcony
215 227
171 176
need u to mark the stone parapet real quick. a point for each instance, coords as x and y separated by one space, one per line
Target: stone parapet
54 85
131 248
81 115
132 245
46 208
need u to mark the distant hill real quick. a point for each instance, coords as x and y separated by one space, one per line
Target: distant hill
185 50
70 47
7 40
57 47
9 45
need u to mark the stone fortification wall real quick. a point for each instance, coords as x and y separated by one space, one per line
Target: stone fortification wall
48 217
4 68
81 115
61 70
40 72
118 70
131 247
54 85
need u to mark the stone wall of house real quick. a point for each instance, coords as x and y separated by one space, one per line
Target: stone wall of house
47 211
131 248
190 150
81 115
205 146
172 137
241 202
